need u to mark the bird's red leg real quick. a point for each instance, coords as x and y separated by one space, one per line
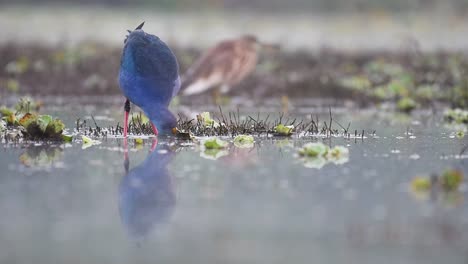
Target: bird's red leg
127 111
155 130
154 145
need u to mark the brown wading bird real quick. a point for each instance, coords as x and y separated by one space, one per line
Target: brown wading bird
223 66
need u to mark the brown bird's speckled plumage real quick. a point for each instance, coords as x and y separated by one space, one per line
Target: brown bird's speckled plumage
222 66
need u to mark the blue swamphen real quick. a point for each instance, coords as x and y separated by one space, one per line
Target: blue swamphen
149 78
147 195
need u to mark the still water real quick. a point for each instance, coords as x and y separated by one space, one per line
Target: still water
65 204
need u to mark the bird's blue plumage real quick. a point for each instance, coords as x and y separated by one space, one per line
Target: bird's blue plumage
149 77
146 194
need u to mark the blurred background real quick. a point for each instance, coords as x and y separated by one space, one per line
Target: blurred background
329 48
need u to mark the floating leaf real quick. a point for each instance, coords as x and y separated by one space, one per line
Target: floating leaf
315 149
406 105
138 141
339 152
207 120
451 179
27 120
43 121
244 141
88 142
215 143
283 130
67 138
420 184
55 128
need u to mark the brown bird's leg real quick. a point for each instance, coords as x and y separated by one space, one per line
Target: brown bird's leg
216 96
127 111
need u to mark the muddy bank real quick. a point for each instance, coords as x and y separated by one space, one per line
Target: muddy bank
417 79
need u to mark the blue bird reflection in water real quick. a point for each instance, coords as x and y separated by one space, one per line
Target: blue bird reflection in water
146 194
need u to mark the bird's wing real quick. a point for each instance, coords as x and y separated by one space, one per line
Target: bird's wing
209 69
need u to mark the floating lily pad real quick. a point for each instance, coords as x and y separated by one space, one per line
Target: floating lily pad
420 184
88 142
244 141
282 130
215 143
315 149
451 179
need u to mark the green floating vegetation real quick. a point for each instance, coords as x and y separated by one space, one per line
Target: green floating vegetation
33 125
205 118
89 142
457 116
315 149
244 141
213 148
316 155
282 130
41 126
449 181
214 143
406 105
3 126
444 188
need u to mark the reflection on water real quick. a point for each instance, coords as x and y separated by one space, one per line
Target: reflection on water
253 205
146 193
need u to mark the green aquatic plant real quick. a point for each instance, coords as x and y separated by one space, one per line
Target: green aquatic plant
205 118
457 116
214 143
357 83
316 155
244 141
406 105
282 130
315 149
3 126
41 126
420 184
89 142
451 179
